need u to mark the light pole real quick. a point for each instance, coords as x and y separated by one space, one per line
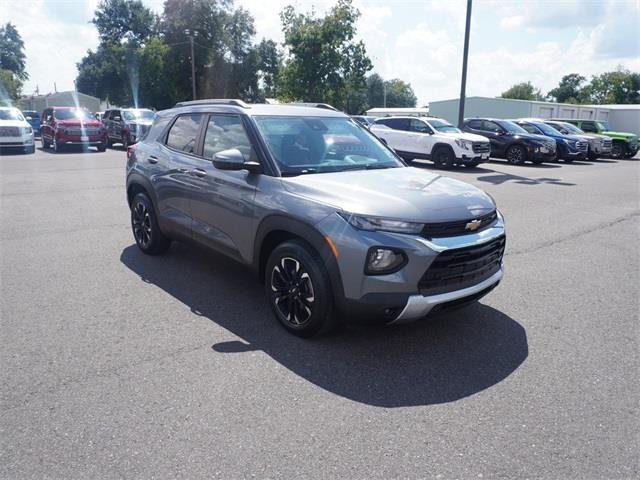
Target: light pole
465 55
193 62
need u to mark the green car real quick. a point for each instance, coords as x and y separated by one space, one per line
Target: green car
625 145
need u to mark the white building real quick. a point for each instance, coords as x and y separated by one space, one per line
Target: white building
60 99
404 112
625 118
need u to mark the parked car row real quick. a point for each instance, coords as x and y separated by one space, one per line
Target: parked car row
518 141
61 127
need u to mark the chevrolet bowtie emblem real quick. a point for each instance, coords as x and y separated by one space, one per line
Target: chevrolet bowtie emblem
473 225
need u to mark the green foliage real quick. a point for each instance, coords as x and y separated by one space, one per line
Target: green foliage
12 57
325 63
10 87
269 63
400 94
569 90
118 20
523 91
619 86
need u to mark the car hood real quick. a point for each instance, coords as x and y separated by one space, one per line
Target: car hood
531 137
625 135
13 123
464 136
409 193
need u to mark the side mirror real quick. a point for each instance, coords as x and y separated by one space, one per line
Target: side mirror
232 159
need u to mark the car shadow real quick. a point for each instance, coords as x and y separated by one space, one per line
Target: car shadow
500 178
69 149
433 361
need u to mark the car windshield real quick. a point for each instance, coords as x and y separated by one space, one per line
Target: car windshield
303 145
11 114
138 115
511 127
563 127
443 126
546 129
72 114
603 125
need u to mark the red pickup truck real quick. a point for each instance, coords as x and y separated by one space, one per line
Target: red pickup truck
66 126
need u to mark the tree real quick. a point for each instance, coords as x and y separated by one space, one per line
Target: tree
375 91
118 20
569 90
12 57
399 94
269 63
324 63
523 91
619 86
10 87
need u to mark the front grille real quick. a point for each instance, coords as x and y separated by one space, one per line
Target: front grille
82 131
9 131
551 146
459 227
582 146
481 147
462 267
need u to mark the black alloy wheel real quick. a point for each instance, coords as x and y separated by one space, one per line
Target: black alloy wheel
618 150
144 224
294 295
299 290
516 154
443 157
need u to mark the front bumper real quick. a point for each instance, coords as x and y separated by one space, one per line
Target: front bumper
419 306
21 141
398 297
536 154
479 158
93 139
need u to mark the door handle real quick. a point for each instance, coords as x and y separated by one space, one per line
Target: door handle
198 172
152 159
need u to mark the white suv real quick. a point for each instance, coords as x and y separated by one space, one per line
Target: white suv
14 130
432 139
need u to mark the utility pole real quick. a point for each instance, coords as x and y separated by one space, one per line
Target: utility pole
193 63
384 93
465 55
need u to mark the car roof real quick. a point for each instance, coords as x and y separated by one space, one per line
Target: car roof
256 109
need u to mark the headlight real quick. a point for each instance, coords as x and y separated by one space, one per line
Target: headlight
383 261
466 144
383 224
27 130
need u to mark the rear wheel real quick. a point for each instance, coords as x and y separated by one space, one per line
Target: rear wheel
516 154
443 157
145 227
298 288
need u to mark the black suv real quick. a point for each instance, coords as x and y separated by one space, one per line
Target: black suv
511 141
126 125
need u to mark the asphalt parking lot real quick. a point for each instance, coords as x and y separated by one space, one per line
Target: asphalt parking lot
118 365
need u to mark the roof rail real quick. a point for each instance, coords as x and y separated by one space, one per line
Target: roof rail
213 101
326 106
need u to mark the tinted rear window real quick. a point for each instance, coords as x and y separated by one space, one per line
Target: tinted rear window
183 133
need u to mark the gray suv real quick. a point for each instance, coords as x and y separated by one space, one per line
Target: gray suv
336 225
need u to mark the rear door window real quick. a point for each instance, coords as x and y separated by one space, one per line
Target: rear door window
184 132
475 124
419 126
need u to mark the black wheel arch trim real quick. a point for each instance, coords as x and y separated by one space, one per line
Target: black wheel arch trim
309 234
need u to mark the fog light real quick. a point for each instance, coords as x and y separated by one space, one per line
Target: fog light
382 261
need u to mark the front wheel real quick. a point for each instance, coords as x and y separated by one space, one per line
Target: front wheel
443 157
56 146
298 289
516 154
618 150
44 142
125 142
145 227
29 150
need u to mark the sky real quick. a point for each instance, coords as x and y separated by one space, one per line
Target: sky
419 41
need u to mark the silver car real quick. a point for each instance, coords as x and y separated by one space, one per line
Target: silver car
334 223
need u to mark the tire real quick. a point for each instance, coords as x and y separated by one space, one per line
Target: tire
30 150
144 226
108 142
56 148
443 157
45 144
516 154
471 164
125 142
299 290
618 150
567 160
102 148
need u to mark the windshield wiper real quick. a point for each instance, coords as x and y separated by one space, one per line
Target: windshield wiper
295 173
